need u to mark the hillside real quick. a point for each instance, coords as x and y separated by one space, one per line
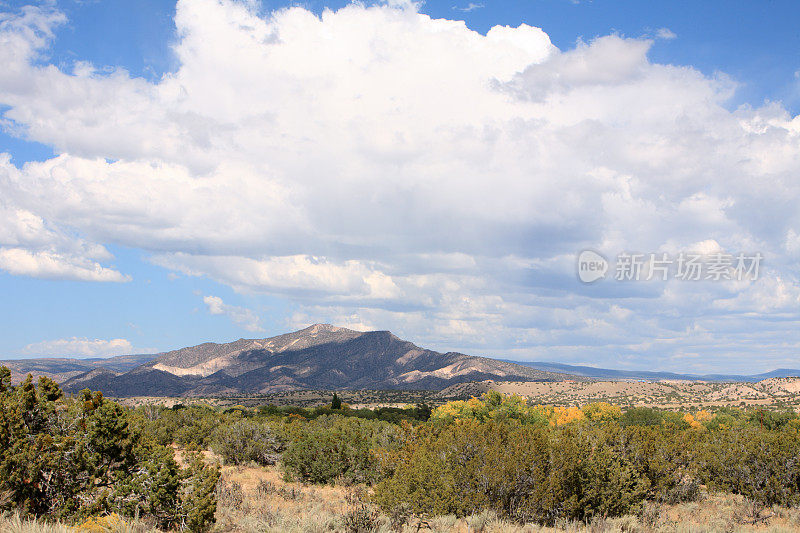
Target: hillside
63 368
318 357
778 393
613 374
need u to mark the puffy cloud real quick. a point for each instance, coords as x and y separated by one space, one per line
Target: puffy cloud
50 265
379 167
299 273
80 347
239 315
30 246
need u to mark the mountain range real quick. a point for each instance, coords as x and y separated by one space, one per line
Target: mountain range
320 357
611 374
62 369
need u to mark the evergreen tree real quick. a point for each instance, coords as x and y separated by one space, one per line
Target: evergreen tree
70 458
336 402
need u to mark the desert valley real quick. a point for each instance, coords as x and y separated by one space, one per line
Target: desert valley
399 266
376 368
324 429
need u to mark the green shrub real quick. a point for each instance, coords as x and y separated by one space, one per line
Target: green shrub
591 475
770 420
763 466
465 467
334 448
336 402
189 427
641 416
70 458
518 471
663 455
198 502
246 441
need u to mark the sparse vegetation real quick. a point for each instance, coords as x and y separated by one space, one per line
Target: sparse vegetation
495 463
338 449
244 441
75 458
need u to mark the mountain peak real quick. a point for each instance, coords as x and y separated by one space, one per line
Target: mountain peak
327 328
246 354
320 356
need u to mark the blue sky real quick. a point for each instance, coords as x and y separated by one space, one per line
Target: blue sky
756 43
345 210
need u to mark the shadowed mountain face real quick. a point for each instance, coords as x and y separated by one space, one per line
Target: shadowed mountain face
318 357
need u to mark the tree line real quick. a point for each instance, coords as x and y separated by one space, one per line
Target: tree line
70 458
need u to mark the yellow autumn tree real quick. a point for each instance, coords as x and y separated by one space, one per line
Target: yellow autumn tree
473 408
693 423
703 416
602 412
566 415
511 408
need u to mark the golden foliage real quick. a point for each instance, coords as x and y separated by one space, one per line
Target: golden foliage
692 422
101 524
515 408
703 416
602 411
492 406
566 415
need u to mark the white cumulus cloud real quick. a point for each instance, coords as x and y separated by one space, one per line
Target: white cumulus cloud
50 265
240 316
79 347
30 246
377 166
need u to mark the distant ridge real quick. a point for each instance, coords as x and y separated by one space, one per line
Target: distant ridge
607 373
64 368
321 356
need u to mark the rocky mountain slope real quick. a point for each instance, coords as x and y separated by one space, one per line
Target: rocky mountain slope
64 368
318 357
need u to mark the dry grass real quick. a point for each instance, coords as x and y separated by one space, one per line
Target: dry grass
265 503
12 523
258 500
